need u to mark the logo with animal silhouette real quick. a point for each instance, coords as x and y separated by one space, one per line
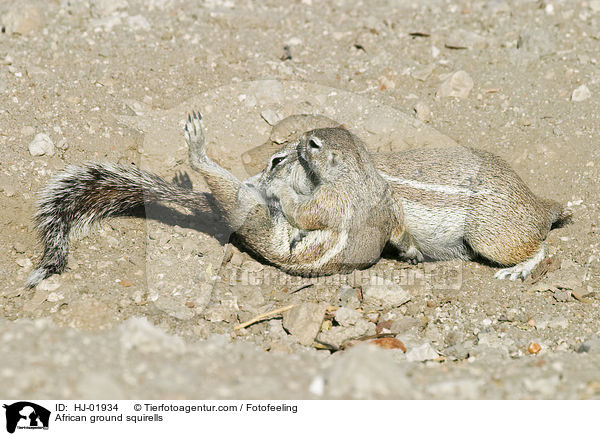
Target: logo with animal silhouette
26 415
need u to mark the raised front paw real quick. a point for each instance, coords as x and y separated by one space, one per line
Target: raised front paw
194 136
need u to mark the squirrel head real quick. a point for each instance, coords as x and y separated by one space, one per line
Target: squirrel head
330 153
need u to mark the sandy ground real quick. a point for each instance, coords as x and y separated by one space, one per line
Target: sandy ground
148 306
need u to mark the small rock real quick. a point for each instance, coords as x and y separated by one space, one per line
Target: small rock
347 297
338 335
422 353
50 284
457 351
389 344
24 262
304 321
347 317
270 116
237 259
384 294
533 348
561 295
41 145
458 84
53 297
580 293
423 73
423 112
581 93
404 324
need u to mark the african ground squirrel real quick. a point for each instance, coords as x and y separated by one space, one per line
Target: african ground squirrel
325 205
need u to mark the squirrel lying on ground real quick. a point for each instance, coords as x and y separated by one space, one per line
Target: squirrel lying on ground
325 205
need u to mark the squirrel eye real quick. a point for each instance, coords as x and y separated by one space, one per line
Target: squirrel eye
276 160
314 143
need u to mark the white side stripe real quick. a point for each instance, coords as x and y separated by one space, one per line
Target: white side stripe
445 189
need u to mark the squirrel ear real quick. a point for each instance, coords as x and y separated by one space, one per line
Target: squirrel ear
314 143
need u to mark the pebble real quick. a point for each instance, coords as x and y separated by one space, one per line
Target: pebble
24 262
381 293
53 297
304 321
423 73
347 317
422 353
41 145
389 344
270 116
458 84
423 112
347 297
50 284
336 336
534 348
366 372
581 93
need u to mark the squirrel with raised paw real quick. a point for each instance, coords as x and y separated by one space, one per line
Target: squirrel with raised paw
325 205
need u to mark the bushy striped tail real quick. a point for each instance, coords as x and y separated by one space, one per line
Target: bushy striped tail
80 196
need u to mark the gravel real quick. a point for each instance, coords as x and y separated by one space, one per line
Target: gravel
147 307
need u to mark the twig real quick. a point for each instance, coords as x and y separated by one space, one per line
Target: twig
263 316
308 285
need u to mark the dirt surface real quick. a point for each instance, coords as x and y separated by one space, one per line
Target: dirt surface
148 307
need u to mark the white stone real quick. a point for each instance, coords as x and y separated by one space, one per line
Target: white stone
458 84
421 353
384 294
581 93
41 145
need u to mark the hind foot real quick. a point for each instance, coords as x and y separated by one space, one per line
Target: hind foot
412 255
523 269
194 136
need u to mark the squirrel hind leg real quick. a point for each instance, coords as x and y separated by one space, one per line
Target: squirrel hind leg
522 270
